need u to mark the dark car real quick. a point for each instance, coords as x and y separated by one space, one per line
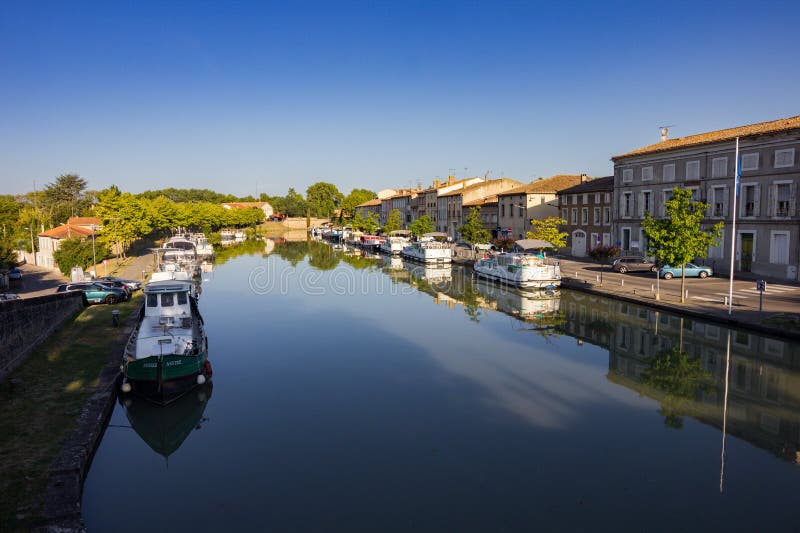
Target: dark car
132 284
15 274
633 263
96 292
116 285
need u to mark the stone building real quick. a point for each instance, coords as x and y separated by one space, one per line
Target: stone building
450 204
536 199
587 210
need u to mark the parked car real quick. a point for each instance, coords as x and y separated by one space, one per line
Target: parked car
633 263
8 296
132 284
691 270
15 274
95 292
115 284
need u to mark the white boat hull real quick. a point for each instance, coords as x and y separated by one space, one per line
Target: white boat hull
540 277
428 255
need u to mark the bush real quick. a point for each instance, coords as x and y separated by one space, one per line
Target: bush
504 243
77 252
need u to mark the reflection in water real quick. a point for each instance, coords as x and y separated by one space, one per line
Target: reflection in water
165 427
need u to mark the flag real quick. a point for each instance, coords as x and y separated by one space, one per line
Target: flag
738 177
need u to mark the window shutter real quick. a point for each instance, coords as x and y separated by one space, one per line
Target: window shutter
771 200
725 203
622 205
792 195
757 201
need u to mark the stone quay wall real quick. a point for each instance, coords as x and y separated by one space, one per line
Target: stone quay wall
26 323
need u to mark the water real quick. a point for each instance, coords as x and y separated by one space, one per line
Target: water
352 394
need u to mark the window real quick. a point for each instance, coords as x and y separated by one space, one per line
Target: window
502 210
669 172
666 196
574 199
695 193
692 170
606 239
152 300
718 204
521 211
565 214
784 199
749 203
167 300
627 175
575 215
784 158
645 202
719 167
718 251
586 198
647 173
779 247
182 298
608 198
585 216
627 204
606 216
596 216
749 162
597 197
594 241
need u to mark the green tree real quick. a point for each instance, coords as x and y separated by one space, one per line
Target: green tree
678 238
9 214
73 252
394 221
8 255
421 226
323 198
473 231
547 230
681 378
358 221
356 198
124 218
370 225
64 198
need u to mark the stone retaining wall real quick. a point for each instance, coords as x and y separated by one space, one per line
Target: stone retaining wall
26 323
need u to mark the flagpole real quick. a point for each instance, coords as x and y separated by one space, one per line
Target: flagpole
736 179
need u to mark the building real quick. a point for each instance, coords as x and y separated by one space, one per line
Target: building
50 242
489 211
372 206
767 226
535 200
587 209
450 205
91 223
264 206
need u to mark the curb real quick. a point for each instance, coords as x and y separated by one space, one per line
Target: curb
570 283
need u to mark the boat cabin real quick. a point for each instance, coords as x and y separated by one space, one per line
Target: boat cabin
168 299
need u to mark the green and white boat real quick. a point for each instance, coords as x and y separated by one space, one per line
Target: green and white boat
167 353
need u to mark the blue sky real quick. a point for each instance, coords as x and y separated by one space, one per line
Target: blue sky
257 97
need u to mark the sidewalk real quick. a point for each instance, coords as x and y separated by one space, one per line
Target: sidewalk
706 298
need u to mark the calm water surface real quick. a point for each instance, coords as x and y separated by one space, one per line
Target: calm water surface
352 394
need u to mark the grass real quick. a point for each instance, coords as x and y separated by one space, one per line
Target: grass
40 403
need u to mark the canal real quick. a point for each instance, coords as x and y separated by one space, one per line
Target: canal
358 394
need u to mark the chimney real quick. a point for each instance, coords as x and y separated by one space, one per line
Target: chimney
664 134
584 178
450 179
437 183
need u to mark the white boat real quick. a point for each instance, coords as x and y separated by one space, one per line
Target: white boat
431 248
371 242
520 270
205 250
239 236
227 237
395 242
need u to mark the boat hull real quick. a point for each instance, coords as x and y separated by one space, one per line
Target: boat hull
166 380
522 283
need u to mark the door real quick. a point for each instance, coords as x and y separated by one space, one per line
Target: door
746 261
578 243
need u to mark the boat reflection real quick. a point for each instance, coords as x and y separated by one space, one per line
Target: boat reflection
431 273
164 428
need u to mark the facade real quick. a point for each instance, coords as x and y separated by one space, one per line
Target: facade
50 241
587 209
450 205
489 211
535 200
767 226
372 206
264 206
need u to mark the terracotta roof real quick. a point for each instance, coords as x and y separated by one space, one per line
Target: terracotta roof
475 186
482 201
376 201
553 184
85 221
65 231
243 205
595 185
762 128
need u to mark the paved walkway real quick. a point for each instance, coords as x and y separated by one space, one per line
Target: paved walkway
704 296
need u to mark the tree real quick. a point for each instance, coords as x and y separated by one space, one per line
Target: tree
9 213
370 225
547 230
473 231
354 199
602 254
358 221
394 221
421 226
124 218
73 252
8 255
323 198
678 238
64 198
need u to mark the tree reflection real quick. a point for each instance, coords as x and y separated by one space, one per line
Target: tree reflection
681 378
471 299
293 252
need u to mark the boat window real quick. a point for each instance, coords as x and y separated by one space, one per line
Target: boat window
182 298
167 300
152 300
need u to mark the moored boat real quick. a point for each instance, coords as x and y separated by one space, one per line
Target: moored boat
520 270
430 248
167 353
371 242
396 241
